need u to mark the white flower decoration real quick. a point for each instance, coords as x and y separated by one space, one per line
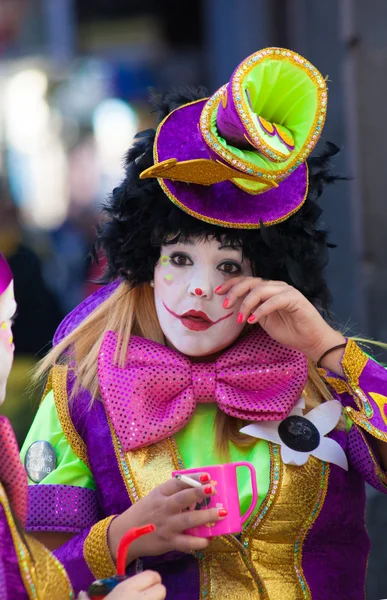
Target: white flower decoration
302 436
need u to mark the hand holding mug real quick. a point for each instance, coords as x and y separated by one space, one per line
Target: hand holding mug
167 506
225 499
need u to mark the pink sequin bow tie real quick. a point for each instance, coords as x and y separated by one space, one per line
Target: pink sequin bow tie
155 393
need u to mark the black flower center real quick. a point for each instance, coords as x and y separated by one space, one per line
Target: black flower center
299 434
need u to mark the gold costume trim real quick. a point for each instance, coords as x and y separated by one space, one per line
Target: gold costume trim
339 385
52 578
353 363
59 386
301 494
222 223
96 550
44 577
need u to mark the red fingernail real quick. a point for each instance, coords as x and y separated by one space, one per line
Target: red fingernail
218 288
223 512
240 318
204 478
210 538
225 303
208 490
251 319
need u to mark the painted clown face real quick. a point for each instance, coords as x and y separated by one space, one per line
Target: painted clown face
191 315
7 312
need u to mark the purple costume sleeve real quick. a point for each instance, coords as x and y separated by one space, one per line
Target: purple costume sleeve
363 394
72 558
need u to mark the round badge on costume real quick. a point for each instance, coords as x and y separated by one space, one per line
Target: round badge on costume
40 460
298 433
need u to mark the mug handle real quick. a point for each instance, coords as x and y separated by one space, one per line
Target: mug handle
253 486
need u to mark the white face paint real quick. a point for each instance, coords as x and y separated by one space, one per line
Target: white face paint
7 312
190 314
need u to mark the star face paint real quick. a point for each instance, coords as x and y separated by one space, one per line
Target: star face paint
7 312
197 324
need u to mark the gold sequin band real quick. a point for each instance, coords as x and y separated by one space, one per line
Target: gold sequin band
59 386
96 550
353 363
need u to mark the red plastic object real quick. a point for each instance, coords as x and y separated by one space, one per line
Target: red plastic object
101 588
125 542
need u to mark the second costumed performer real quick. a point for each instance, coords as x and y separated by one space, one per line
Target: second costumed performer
209 346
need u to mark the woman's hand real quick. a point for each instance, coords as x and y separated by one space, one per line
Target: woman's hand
167 507
283 312
144 586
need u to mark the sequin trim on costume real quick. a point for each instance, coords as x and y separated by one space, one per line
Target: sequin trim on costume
61 508
123 465
353 363
306 528
361 420
96 550
275 480
59 386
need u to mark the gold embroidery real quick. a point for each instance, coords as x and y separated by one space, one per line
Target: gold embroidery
354 361
273 544
360 419
339 385
44 577
51 576
151 466
225 562
96 550
59 386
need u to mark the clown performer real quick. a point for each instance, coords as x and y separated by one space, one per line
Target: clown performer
28 571
208 346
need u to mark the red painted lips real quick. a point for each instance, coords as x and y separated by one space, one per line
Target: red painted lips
196 320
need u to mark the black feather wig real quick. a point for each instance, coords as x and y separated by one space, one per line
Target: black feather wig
138 219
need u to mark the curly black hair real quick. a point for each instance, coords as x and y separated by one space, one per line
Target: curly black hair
138 219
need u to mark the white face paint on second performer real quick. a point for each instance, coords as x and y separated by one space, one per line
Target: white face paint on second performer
190 314
7 312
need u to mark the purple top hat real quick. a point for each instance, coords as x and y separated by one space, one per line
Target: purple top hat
237 159
5 274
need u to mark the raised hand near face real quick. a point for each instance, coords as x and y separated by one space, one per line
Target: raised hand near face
283 312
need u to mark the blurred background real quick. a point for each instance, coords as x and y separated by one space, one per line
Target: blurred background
75 77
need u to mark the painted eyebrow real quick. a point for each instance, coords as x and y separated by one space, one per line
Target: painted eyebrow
230 247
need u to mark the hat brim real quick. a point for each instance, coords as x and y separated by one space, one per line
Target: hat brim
224 203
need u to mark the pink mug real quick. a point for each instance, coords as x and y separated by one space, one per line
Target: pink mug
224 478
